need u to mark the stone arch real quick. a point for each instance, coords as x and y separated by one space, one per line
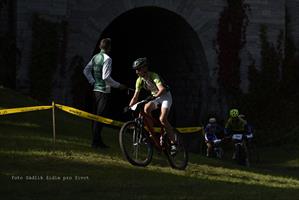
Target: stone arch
189 25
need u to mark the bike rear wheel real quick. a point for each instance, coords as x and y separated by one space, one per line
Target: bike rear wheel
135 145
241 155
179 160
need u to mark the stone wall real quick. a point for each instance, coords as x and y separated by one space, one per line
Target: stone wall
88 19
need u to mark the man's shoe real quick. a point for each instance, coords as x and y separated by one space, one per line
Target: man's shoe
94 146
103 146
99 146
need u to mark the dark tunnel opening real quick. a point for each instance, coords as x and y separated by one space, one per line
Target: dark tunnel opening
174 52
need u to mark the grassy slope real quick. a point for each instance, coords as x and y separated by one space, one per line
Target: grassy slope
26 149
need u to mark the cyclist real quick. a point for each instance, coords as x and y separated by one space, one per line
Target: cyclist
211 139
235 125
249 129
161 96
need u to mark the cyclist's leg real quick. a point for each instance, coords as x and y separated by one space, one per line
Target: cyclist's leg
165 101
209 148
164 121
148 108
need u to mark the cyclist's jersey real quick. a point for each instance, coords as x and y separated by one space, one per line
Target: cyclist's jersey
211 128
210 132
150 84
236 125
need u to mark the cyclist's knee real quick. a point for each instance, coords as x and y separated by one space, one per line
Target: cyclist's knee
148 108
209 145
163 120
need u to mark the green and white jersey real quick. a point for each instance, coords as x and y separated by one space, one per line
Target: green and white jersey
98 73
98 63
150 84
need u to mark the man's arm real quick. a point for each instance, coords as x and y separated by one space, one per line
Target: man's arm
106 74
88 73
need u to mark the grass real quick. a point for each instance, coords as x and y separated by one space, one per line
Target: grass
31 167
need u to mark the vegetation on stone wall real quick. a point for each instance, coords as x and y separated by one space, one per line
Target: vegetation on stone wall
46 52
231 39
8 50
263 99
270 102
290 69
81 91
3 3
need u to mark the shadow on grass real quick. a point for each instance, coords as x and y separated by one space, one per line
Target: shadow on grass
103 178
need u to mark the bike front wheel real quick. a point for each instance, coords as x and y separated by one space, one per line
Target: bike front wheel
179 159
135 145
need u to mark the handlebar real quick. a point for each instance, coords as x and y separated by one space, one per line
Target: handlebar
144 101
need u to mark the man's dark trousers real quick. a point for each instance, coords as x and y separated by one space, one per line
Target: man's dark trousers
100 108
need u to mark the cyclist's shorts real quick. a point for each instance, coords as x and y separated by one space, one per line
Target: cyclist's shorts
164 100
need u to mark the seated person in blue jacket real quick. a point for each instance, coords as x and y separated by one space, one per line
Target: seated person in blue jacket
211 130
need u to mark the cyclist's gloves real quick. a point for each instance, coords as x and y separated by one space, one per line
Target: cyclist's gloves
126 109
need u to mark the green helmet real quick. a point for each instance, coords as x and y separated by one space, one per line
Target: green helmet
234 113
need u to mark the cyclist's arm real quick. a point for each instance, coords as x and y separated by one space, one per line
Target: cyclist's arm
161 89
160 86
134 98
138 86
227 128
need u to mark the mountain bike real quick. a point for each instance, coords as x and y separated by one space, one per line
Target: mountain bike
137 141
241 153
217 149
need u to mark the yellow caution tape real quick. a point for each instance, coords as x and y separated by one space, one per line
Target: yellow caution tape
86 115
104 120
189 129
24 109
90 116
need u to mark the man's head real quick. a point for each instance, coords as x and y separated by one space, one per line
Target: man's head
140 65
105 45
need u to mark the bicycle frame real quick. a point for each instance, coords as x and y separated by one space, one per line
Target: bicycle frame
241 140
148 139
142 121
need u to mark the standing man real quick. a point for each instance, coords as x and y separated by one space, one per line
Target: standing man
98 73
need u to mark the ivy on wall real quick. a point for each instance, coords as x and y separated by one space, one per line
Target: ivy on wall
263 98
231 39
81 91
273 89
9 54
290 69
267 82
47 42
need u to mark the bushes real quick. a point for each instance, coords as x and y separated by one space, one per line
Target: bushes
231 39
46 53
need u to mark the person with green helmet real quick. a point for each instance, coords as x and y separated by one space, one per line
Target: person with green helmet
235 123
235 127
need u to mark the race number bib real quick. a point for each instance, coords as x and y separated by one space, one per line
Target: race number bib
237 136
